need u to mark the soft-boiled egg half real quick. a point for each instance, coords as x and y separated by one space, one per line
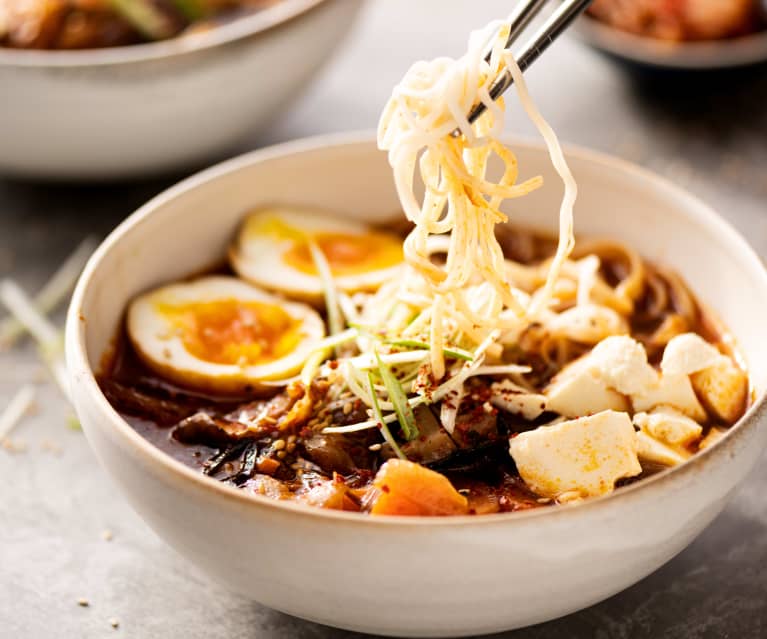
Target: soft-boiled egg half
221 334
273 250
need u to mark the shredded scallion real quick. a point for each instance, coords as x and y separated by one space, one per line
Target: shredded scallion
53 291
449 351
14 412
50 342
145 16
399 400
381 422
335 318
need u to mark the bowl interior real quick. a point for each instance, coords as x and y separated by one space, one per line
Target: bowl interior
714 54
187 228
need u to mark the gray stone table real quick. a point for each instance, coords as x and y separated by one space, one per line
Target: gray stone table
56 503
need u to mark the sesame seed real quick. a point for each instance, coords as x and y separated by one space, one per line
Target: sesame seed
291 447
107 535
115 623
292 439
281 454
82 601
375 447
347 408
279 444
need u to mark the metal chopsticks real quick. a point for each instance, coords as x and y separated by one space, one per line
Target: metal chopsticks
523 14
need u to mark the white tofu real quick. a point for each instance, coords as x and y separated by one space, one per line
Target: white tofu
689 353
587 323
668 425
671 390
650 449
722 389
515 399
576 392
621 362
587 455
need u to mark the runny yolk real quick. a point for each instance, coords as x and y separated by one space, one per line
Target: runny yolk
347 254
231 331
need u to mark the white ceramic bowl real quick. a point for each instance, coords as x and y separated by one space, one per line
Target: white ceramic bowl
398 575
147 108
679 56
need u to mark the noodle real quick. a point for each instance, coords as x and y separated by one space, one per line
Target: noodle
459 199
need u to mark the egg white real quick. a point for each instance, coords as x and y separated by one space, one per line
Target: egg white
258 257
160 346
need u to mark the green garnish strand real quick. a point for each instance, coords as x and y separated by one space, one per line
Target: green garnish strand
379 418
456 353
335 319
397 396
191 9
145 17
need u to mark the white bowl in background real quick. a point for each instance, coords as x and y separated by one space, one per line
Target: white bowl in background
709 55
141 109
399 575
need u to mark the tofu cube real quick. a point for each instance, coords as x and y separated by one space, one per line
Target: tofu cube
669 426
650 449
671 390
688 353
664 434
621 363
587 455
578 391
723 389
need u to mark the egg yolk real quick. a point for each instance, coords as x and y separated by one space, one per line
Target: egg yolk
346 253
231 331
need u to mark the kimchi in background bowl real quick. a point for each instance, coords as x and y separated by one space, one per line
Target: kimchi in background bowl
399 575
137 110
652 53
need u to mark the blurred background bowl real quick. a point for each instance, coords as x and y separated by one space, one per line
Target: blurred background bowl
650 52
137 110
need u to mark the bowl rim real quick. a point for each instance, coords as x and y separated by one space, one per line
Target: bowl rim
689 55
240 28
82 373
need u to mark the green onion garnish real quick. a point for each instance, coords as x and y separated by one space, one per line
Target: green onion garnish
146 18
398 398
380 419
335 319
191 9
452 351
